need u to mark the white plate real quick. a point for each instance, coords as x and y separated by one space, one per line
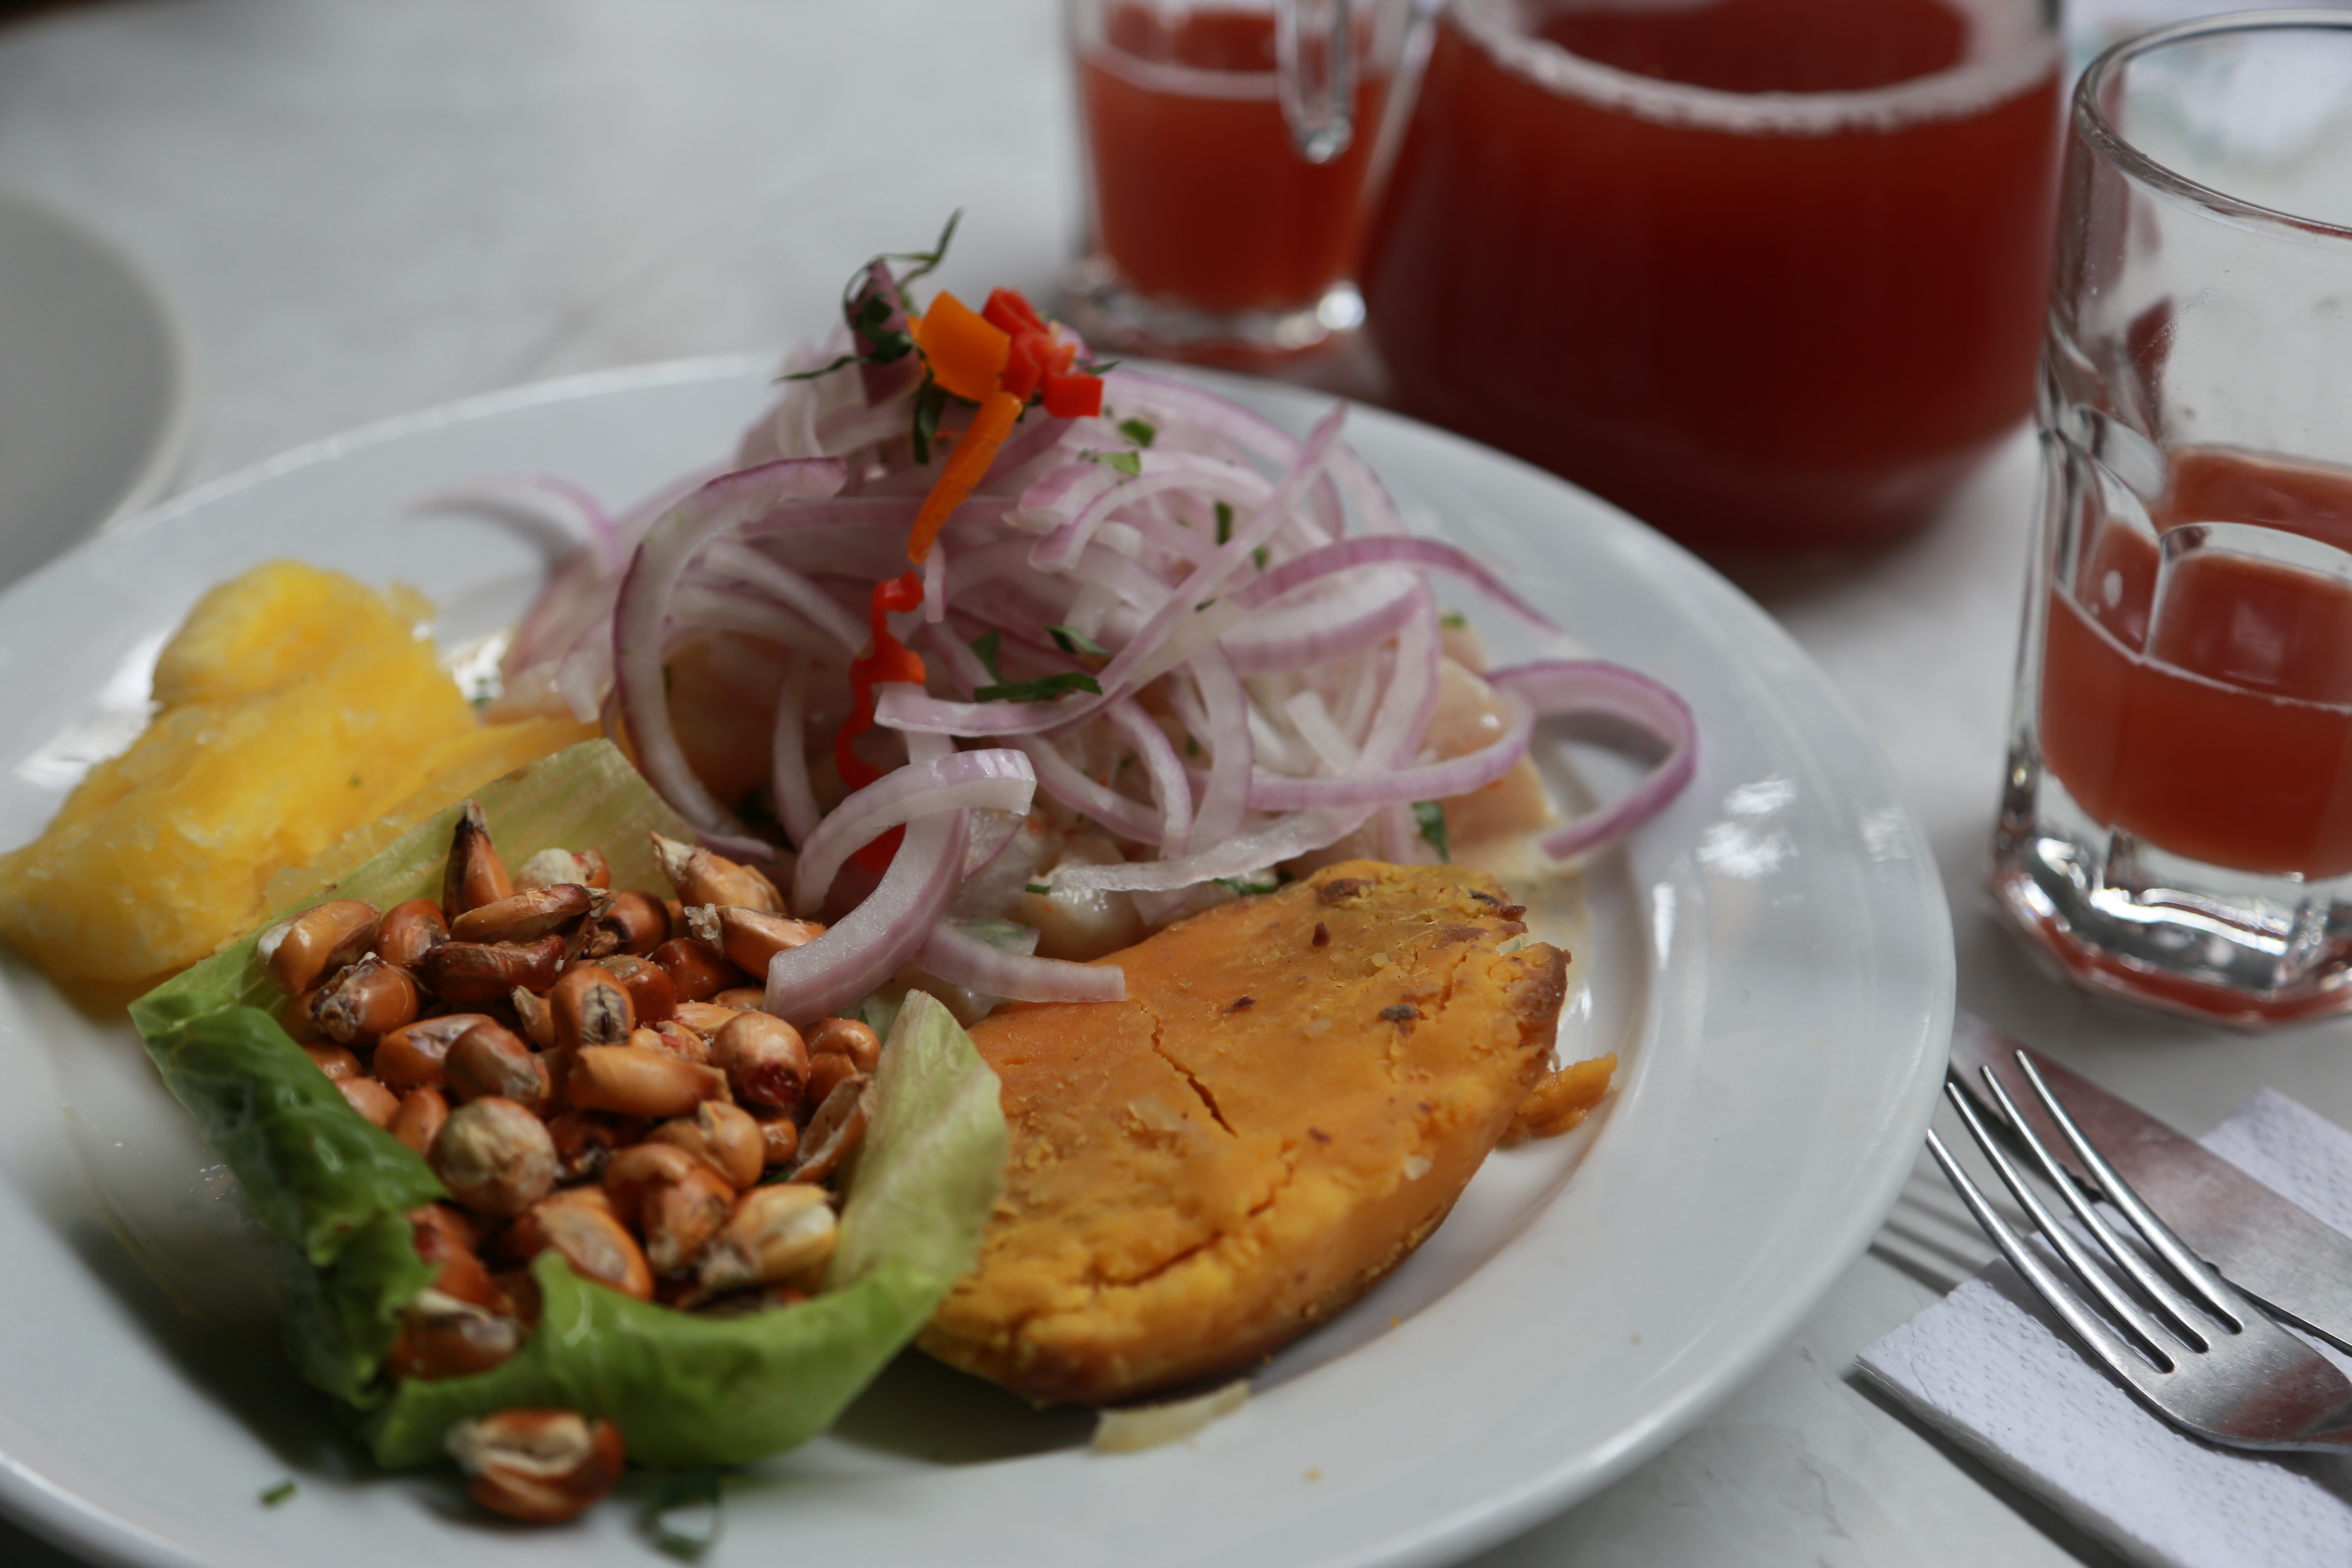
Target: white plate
94 402
1772 959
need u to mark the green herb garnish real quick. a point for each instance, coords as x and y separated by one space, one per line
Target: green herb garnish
1069 639
1128 463
1138 431
986 645
283 1492
1245 887
1431 816
1039 888
1224 523
1042 690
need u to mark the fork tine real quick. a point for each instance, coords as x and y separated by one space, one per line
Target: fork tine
2101 1341
2148 1334
2218 1298
2180 1315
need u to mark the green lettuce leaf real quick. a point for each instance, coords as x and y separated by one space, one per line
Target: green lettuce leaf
685 1391
688 1391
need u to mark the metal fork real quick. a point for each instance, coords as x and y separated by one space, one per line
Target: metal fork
2200 1356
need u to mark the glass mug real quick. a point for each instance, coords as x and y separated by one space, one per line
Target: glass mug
2177 822
1767 273
1229 150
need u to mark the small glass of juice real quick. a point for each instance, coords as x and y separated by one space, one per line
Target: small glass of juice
1229 150
2175 825
1766 273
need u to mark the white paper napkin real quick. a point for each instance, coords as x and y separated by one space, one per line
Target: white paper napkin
1988 1367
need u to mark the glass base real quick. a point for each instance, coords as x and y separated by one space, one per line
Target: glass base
2126 919
1112 316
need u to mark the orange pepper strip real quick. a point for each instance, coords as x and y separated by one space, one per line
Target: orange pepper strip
966 467
965 351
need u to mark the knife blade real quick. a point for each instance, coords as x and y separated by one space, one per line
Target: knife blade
2276 1251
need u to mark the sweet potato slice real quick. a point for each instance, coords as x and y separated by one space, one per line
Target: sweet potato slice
1294 1092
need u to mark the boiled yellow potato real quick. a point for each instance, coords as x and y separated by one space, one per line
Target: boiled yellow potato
295 706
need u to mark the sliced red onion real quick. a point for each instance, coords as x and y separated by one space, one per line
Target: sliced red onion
1565 689
1162 768
1000 779
1246 855
1233 752
868 945
554 513
788 751
654 573
789 588
1163 473
1350 619
1060 778
1397 549
1431 781
960 958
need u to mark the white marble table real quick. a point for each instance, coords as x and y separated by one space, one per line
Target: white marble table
364 206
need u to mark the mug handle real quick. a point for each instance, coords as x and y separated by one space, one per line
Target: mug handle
1315 75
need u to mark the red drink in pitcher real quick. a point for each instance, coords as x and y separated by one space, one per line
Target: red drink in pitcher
1764 272
2215 723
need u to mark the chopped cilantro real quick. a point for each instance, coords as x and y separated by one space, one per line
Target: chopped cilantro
1039 888
1192 746
1258 557
683 1516
1453 620
986 645
355 781
1431 816
1128 463
1138 431
272 1496
930 402
1224 523
1245 887
1042 690
1069 639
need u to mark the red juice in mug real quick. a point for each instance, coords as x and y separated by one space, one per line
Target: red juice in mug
1199 197
1764 272
2223 734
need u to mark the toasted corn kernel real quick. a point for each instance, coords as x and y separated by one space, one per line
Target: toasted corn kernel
705 1018
491 1060
634 924
724 1136
741 998
414 1056
590 1008
410 931
370 1098
553 867
698 969
441 1336
636 1081
471 973
494 1155
475 875
584 1140
833 1133
541 1467
828 1073
748 937
634 1171
702 877
365 1002
774 1234
302 950
522 917
534 1016
764 1058
779 1140
591 1238
457 1270
335 1061
652 996
295 1015
846 1037
418 1120
452 1228
679 1218
673 1038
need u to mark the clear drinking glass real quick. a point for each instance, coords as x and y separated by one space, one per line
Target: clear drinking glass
2176 821
1229 154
